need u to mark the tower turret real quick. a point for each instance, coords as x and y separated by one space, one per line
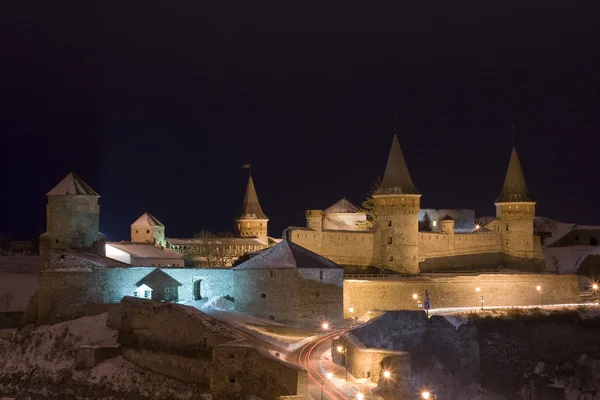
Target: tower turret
515 209
251 221
72 218
147 229
397 204
314 220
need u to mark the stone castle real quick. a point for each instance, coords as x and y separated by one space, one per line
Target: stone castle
396 244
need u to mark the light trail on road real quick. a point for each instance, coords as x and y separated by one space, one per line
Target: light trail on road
304 360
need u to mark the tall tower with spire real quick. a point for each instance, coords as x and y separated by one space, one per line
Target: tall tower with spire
72 218
397 204
515 209
251 221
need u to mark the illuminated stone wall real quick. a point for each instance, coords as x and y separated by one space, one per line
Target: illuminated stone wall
289 296
458 291
241 369
345 248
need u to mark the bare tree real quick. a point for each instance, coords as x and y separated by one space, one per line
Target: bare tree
213 250
6 299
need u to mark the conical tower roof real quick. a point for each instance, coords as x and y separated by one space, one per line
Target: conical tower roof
515 188
72 185
396 179
147 219
251 207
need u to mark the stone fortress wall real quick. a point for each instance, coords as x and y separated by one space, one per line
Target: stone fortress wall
291 295
458 291
342 247
185 344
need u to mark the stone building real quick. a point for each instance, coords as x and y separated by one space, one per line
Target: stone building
290 284
395 242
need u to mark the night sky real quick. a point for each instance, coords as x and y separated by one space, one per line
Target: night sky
158 107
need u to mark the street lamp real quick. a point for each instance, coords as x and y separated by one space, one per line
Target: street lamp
328 375
360 396
325 326
539 289
343 351
351 309
595 288
478 290
387 374
428 395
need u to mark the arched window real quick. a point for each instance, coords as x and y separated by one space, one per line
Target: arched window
263 295
147 230
391 258
389 240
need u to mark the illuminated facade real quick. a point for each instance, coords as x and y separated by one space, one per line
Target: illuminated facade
395 243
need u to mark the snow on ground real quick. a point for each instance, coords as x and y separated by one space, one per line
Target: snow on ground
19 264
48 353
456 320
566 260
22 288
555 228
351 388
281 336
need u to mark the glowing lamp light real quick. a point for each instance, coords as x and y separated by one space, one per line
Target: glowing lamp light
538 288
329 375
425 395
477 289
360 396
414 296
386 374
351 309
595 286
340 349
325 325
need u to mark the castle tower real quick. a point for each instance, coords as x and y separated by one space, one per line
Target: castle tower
251 221
516 211
314 220
72 218
147 229
397 204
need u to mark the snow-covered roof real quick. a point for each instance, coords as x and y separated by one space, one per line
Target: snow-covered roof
249 241
145 250
568 259
342 207
396 178
287 254
147 219
72 185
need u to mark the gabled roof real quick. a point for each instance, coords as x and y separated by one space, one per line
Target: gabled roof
72 185
147 219
342 206
515 188
251 207
396 179
158 278
286 254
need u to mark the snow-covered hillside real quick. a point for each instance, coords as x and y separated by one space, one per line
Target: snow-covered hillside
41 364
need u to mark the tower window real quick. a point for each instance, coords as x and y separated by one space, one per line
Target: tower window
389 222
509 208
517 207
389 240
391 258
272 273
576 238
403 201
506 226
248 225
147 230
321 275
56 241
272 317
433 223
136 231
593 241
263 295
527 208
317 294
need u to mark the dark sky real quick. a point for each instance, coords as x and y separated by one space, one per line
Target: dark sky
158 107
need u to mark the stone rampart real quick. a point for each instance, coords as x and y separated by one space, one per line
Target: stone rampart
342 247
366 362
239 368
458 291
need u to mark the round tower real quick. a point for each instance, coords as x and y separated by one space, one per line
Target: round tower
252 221
515 209
147 229
447 225
314 220
397 203
72 217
